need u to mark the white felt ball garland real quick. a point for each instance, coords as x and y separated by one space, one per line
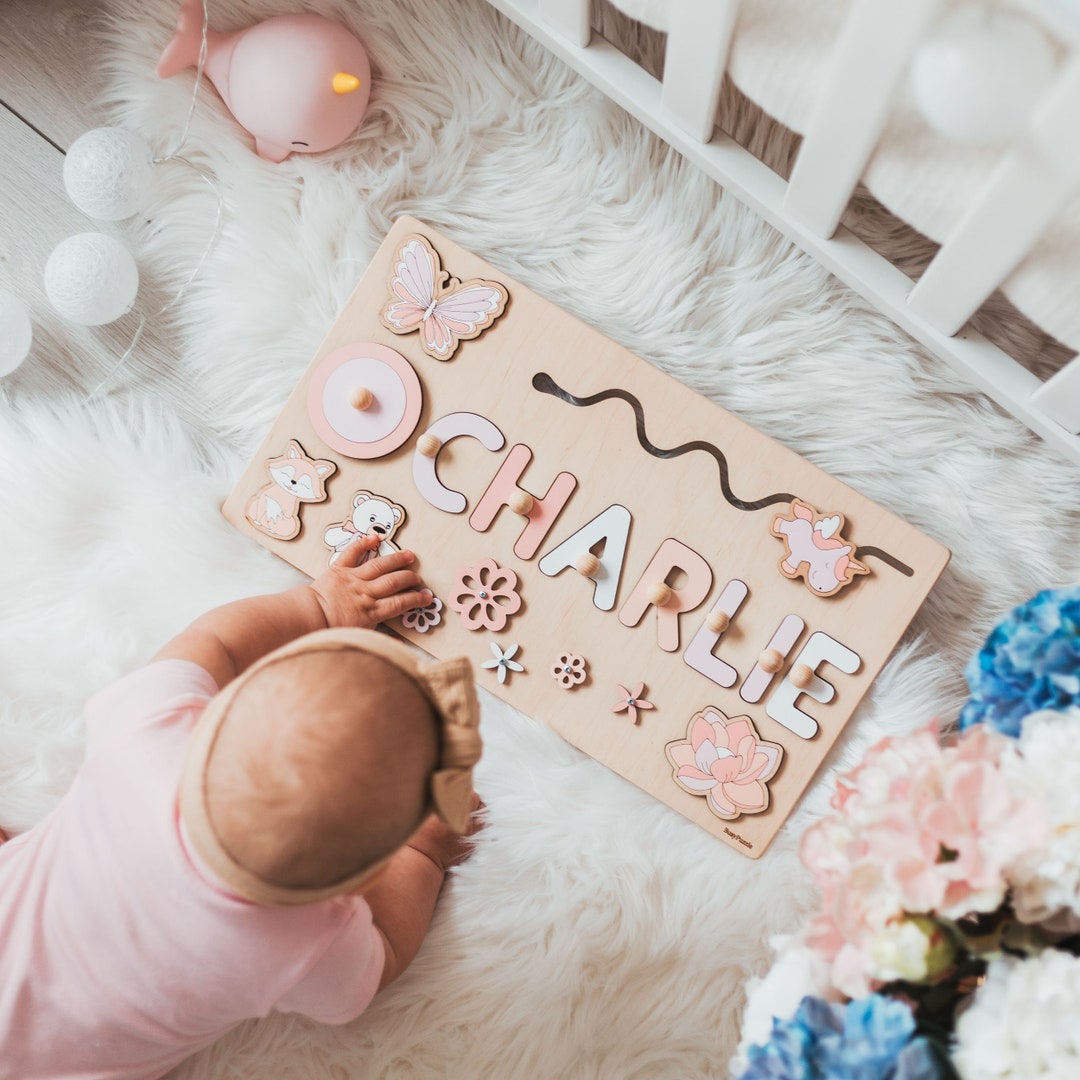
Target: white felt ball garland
16 332
107 173
979 76
91 279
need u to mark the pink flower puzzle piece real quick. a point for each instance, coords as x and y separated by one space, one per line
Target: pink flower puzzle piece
485 596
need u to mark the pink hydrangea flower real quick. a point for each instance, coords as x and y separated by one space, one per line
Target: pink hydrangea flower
725 761
920 828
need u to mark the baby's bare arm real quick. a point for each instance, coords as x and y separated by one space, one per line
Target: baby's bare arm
230 638
402 898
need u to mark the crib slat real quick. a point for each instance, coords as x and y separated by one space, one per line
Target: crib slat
870 56
883 285
1059 397
1024 194
699 38
572 17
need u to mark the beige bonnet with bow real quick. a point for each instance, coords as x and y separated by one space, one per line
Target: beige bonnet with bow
448 686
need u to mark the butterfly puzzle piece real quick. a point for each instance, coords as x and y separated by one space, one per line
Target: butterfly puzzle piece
443 309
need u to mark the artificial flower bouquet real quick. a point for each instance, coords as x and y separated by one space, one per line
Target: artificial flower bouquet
948 939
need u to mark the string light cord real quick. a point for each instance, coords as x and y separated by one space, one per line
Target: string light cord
207 178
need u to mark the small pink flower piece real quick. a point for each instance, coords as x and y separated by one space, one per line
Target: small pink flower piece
631 701
485 596
569 670
725 761
422 619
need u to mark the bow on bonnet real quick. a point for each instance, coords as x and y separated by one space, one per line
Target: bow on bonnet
450 686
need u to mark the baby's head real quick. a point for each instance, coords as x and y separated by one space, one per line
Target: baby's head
318 763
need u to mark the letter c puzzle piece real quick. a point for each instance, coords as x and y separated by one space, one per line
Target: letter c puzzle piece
426 477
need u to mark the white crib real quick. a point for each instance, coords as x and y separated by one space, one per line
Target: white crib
1033 177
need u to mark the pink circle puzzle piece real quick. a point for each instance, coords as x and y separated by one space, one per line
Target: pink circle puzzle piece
394 411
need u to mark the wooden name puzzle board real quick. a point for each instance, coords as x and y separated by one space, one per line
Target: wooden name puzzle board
677 595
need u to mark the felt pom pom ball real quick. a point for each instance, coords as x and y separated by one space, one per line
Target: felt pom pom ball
16 332
91 279
107 173
979 76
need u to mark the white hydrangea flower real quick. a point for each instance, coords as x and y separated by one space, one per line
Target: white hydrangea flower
898 951
1022 1022
1046 881
796 972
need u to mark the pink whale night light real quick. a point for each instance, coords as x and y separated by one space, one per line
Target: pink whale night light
299 83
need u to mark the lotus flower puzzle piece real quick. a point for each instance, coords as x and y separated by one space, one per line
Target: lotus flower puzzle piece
444 310
816 550
723 760
295 479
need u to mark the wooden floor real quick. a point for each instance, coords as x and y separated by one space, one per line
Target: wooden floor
51 83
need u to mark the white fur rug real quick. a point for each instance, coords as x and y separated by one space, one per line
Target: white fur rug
594 933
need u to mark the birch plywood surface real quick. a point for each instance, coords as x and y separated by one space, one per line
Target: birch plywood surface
520 375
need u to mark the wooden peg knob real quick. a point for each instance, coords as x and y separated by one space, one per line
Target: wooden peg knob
587 564
718 621
361 398
429 445
660 594
771 661
801 676
521 502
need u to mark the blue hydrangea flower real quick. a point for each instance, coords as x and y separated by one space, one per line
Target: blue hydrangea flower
1030 662
868 1039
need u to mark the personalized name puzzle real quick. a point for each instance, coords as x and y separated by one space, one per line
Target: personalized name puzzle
677 595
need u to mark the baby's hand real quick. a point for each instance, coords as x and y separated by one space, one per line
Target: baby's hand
441 844
355 594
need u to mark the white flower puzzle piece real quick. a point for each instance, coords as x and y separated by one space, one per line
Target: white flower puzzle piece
504 661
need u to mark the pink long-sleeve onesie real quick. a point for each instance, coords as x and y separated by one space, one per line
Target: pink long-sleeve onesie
120 954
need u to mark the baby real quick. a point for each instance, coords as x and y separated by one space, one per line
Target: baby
263 822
